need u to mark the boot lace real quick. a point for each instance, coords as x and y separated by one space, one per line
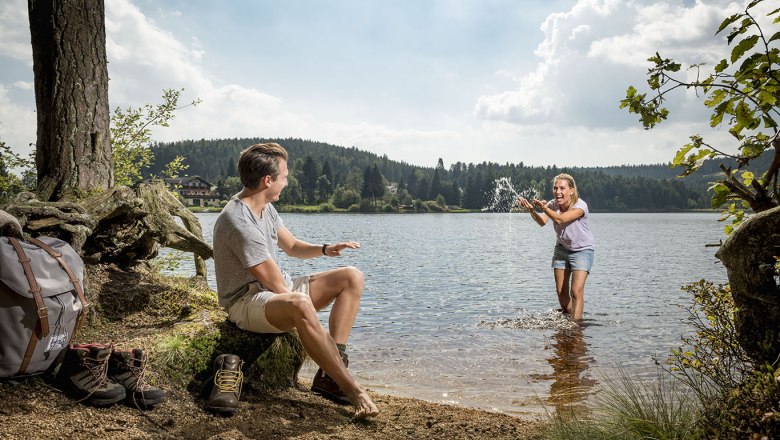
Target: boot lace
229 381
139 372
98 369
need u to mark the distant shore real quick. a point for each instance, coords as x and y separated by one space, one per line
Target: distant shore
315 209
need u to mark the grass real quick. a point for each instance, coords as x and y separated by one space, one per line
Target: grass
627 408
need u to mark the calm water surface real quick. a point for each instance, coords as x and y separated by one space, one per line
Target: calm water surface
459 308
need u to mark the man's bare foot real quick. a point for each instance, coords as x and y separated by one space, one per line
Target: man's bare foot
364 406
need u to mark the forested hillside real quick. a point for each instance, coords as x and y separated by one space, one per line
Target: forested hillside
345 177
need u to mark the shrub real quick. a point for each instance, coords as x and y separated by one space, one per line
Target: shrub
327 207
738 398
433 206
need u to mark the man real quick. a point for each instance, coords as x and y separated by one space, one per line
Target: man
262 298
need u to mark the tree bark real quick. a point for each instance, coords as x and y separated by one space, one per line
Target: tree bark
749 255
73 149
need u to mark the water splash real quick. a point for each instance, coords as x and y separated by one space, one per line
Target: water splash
551 320
504 196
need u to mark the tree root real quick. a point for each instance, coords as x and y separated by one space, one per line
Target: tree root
121 225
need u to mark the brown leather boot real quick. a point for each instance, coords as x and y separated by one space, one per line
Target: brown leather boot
325 386
226 388
83 375
127 369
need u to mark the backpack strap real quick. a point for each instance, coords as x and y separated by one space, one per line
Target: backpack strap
42 325
35 290
73 279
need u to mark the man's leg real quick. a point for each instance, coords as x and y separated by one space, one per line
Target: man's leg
343 287
287 310
562 288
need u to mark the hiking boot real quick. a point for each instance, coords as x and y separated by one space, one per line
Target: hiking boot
127 369
82 375
226 388
325 386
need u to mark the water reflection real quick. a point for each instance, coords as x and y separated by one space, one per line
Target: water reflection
571 381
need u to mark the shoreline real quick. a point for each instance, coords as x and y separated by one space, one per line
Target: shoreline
33 409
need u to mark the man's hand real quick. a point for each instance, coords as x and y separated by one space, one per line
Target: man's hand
334 250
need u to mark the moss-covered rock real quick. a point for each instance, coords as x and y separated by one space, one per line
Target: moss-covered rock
179 322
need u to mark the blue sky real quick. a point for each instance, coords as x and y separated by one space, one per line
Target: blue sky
533 81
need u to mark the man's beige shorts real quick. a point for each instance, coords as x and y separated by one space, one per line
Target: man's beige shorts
248 312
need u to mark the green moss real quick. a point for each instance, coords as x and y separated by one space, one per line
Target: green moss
278 366
180 324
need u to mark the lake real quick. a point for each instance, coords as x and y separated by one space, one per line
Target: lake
459 308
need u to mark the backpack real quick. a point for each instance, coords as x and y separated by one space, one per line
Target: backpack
42 303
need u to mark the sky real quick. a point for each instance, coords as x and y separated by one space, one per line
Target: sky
505 81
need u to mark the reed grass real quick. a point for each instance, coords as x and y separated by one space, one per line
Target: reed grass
627 408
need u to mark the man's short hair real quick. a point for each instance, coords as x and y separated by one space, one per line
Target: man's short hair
258 161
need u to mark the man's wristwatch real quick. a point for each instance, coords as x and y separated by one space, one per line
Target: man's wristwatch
325 245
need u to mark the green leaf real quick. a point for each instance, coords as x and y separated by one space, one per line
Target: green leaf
728 21
743 47
722 65
774 37
765 97
716 119
747 177
744 114
716 98
680 156
701 154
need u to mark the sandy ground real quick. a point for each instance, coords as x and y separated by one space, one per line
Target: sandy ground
32 409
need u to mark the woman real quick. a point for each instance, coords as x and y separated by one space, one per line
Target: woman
574 248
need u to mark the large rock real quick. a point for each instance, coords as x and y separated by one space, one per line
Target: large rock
750 256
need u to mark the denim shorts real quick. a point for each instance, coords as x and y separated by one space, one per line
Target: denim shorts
572 260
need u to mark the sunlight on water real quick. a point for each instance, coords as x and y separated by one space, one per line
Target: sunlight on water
461 308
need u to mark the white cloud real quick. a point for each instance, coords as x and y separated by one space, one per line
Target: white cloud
15 41
561 106
24 85
593 52
144 59
17 124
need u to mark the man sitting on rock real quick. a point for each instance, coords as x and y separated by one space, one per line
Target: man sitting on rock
260 297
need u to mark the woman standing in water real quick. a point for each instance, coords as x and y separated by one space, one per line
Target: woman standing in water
574 248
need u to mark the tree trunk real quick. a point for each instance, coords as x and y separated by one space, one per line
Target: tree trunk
749 255
73 150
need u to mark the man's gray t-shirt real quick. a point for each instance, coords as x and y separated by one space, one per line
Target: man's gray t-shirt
243 240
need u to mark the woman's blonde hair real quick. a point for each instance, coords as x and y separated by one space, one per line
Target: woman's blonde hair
570 180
